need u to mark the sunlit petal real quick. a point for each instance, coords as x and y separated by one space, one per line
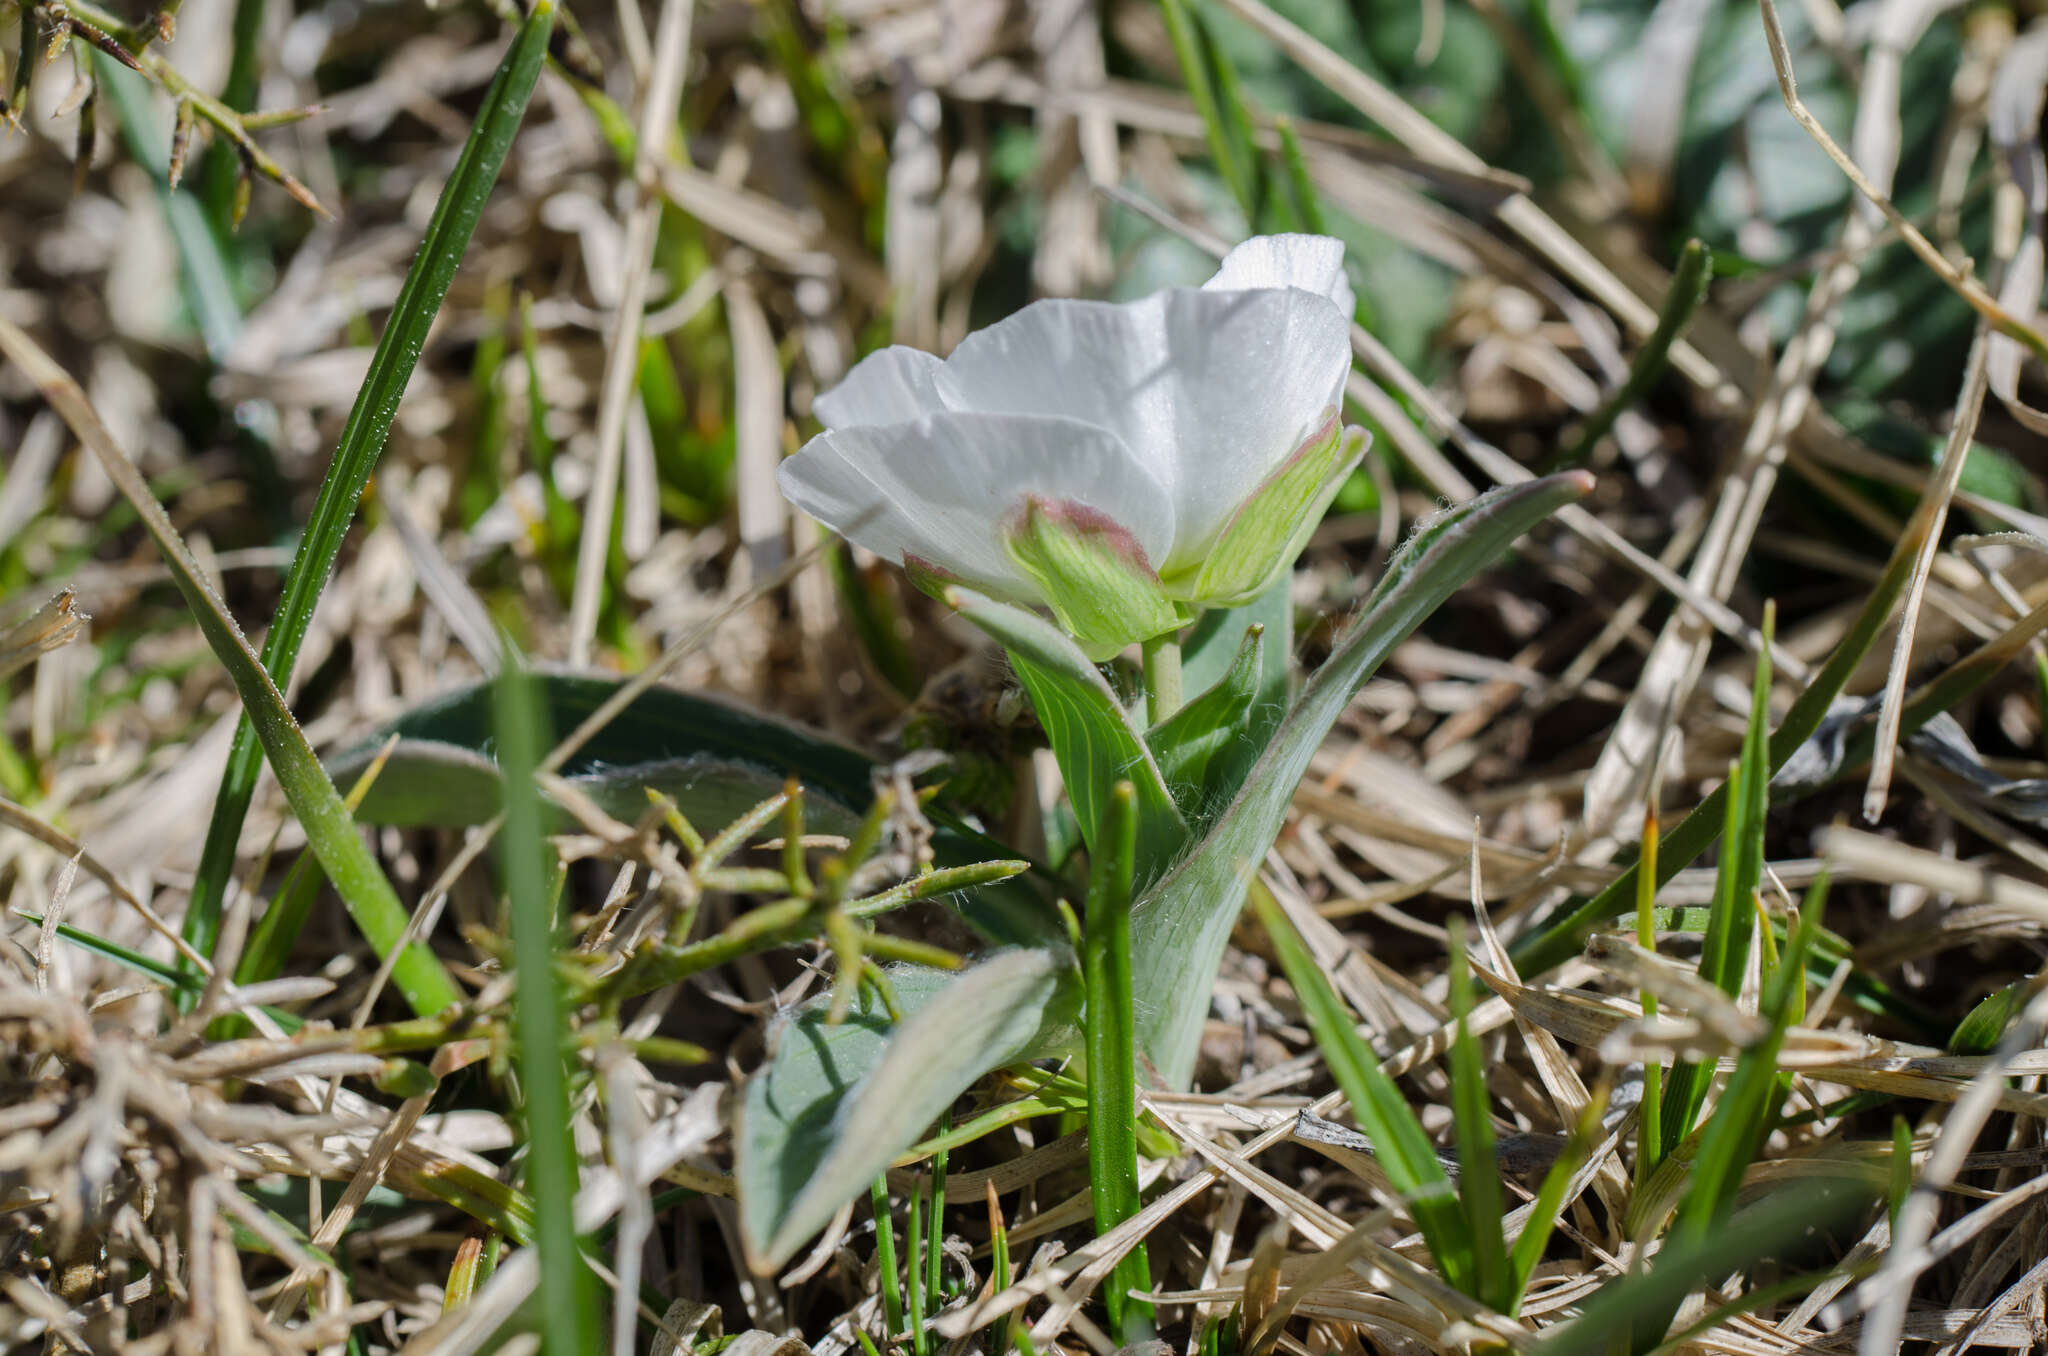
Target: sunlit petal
938 491
1212 390
1313 263
889 386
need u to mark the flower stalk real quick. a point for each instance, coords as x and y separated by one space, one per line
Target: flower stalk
1161 659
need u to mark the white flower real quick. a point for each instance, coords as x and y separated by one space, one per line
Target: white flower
1120 463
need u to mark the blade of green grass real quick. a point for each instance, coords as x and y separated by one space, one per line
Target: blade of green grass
1472 1127
1772 1228
935 1255
362 439
277 931
1749 1105
1383 1113
1899 1180
1191 47
1112 1060
570 1322
1724 950
1548 1207
222 166
1745 1114
150 967
913 1253
1301 187
1689 283
330 829
999 1268
1649 1129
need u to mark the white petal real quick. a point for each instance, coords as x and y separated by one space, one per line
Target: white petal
943 487
1211 390
889 386
1314 263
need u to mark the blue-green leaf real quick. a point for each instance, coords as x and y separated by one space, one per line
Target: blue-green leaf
1182 921
836 1104
716 759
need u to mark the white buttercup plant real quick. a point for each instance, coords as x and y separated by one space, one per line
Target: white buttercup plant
1123 464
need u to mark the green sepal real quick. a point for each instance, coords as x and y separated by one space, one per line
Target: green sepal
1268 530
1093 574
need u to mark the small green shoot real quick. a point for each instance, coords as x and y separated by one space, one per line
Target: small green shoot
1472 1124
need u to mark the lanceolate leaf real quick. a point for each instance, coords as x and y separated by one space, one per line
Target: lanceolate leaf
1182 922
715 758
835 1104
441 773
1093 738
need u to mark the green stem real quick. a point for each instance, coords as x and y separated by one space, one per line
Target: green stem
1112 1061
1161 656
885 1261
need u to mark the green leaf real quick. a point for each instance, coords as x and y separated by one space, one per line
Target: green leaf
1472 1125
1091 735
835 1104
362 436
1724 949
723 758
716 759
1182 921
1398 1139
1978 1033
1748 1108
1773 1228
1222 119
1745 1113
1202 749
1548 1207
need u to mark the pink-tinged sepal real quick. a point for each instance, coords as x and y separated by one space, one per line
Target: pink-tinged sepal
1092 572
